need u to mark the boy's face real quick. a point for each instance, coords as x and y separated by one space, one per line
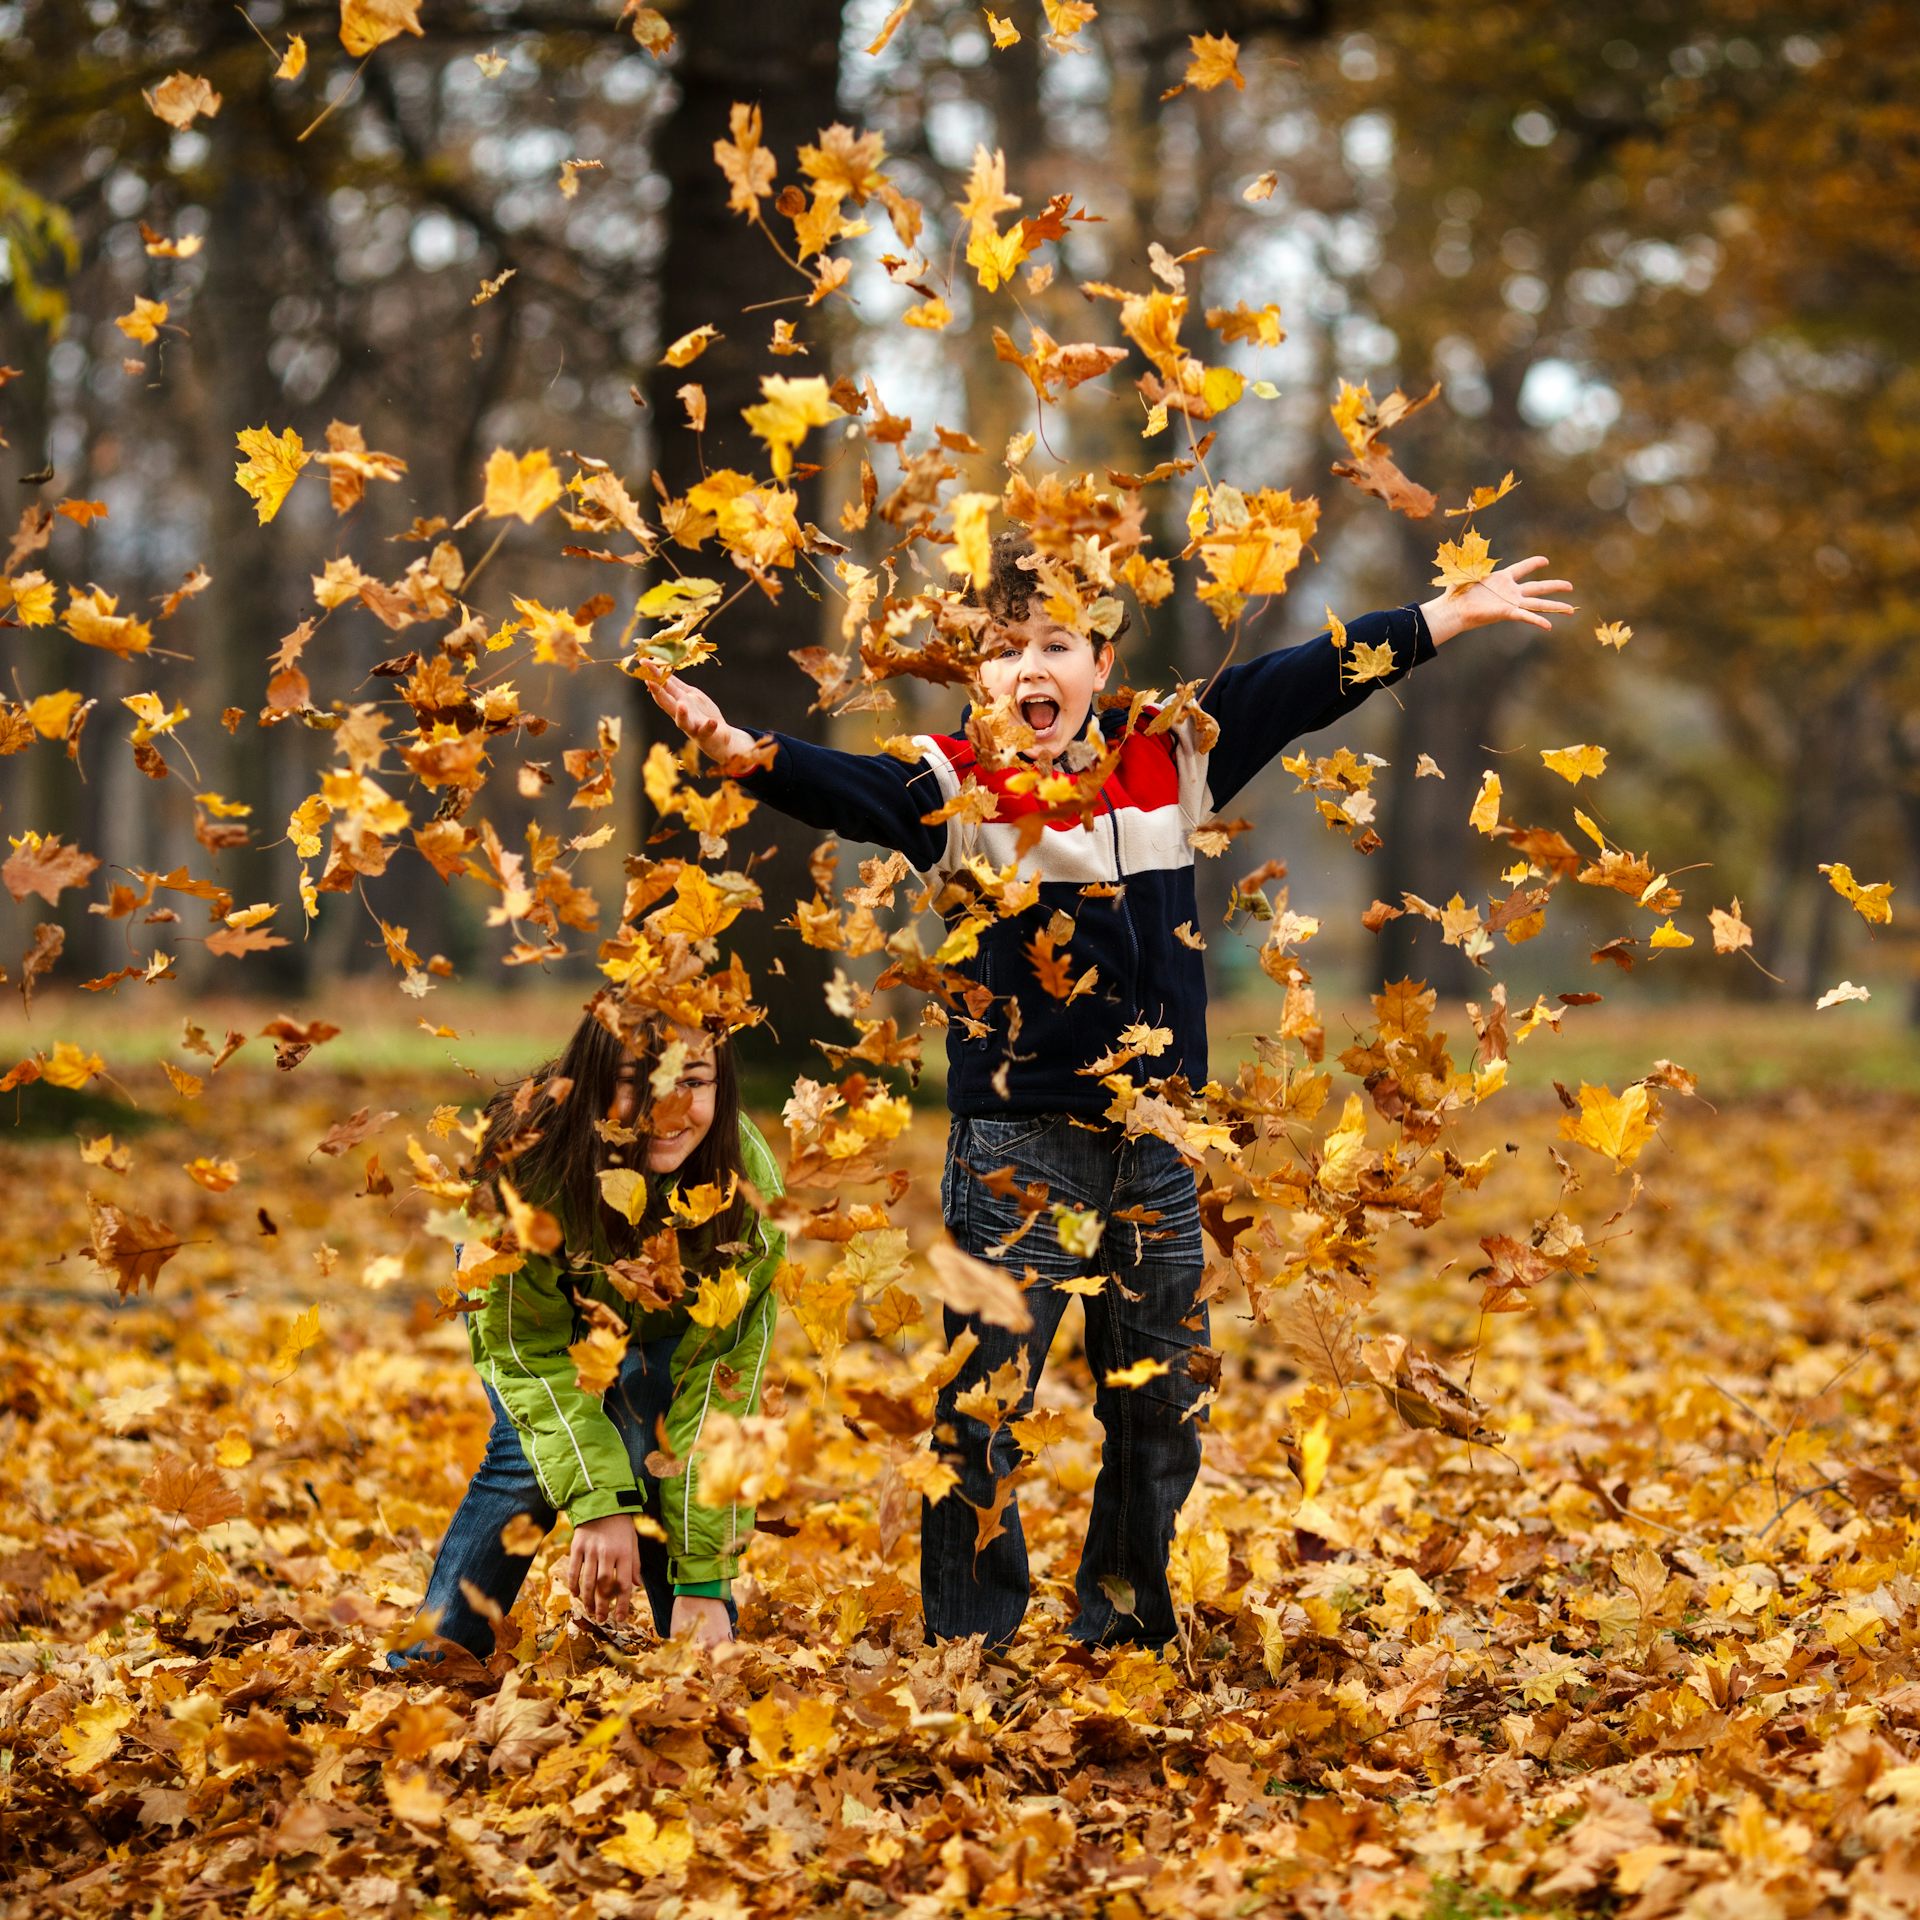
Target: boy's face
1050 673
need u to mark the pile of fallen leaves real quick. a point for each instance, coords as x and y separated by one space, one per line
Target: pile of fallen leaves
1588 1577
1655 1648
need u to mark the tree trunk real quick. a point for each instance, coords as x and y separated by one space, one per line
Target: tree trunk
783 55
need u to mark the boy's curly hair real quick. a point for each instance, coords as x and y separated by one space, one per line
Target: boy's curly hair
1011 590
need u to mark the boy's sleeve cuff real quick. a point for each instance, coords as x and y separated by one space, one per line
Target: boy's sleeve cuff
705 1589
602 1501
1423 646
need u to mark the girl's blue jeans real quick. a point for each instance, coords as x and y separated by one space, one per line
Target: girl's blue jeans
505 1486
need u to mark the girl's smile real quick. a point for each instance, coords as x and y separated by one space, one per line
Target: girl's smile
688 1103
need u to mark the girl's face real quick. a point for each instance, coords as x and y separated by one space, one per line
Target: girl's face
682 1116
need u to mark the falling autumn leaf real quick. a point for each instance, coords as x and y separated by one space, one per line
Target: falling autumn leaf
182 98
1874 904
144 321
1616 1127
521 488
366 24
1574 764
1215 62
272 464
1463 562
787 409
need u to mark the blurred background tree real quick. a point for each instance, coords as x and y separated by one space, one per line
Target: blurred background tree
1661 258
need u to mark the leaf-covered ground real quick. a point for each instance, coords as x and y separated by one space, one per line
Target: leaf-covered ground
1656 1654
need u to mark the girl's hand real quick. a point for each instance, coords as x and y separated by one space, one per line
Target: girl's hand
698 716
701 1619
1505 595
604 1566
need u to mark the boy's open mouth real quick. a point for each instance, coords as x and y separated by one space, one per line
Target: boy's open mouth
1039 713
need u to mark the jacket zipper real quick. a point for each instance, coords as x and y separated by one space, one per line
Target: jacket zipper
1126 904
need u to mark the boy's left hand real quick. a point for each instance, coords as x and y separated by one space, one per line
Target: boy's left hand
1505 595
700 1618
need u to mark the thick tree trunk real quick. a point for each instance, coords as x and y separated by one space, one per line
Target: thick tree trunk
783 55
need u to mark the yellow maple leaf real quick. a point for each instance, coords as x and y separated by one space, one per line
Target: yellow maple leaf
721 1300
1484 497
1666 934
597 1358
31 597
95 1733
1005 33
698 908
293 63
67 1066
932 315
749 167
558 638
366 24
92 618
1078 1230
1613 634
302 1332
697 1205
972 549
272 464
1370 662
995 257
987 195
144 320
785 412
522 488
1616 1128
1216 60
1574 764
1138 1374
50 713
1065 18
1463 562
150 711
690 346
1874 904
1316 1449
645 1847
1485 817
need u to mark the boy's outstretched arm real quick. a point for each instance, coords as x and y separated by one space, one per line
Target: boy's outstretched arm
1264 705
863 796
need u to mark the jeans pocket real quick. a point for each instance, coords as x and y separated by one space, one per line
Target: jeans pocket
952 1174
995 1141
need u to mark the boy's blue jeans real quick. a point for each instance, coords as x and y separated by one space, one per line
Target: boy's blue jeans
1147 1310
504 1485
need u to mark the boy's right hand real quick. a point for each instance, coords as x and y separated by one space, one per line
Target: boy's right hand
700 719
603 1568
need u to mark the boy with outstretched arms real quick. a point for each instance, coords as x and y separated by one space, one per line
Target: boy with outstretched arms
1121 873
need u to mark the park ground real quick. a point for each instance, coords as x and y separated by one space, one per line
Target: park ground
1654 1652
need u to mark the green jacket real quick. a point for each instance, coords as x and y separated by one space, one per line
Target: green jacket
520 1340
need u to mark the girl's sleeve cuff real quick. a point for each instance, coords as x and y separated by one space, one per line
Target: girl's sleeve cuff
705 1589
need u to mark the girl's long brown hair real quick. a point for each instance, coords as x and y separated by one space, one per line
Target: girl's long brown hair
553 1153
